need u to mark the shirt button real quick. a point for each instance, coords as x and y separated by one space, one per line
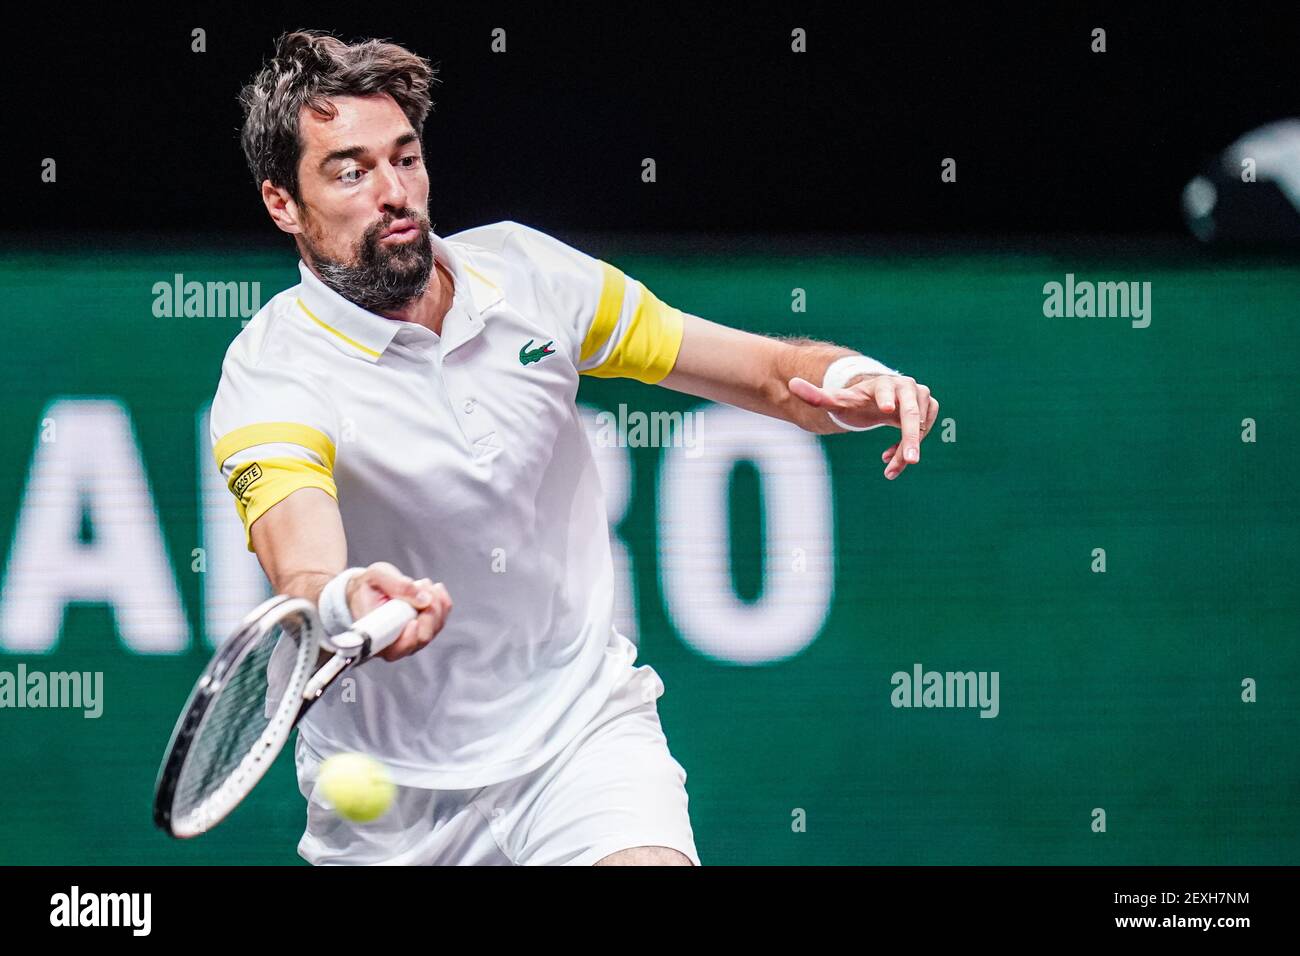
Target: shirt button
469 406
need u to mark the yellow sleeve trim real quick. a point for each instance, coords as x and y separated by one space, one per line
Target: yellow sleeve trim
648 349
266 433
608 309
262 484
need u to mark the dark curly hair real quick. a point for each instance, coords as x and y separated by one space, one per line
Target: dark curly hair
309 67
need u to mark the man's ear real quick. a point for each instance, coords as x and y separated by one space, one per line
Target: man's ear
282 209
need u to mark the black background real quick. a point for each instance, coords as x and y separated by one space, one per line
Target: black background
748 136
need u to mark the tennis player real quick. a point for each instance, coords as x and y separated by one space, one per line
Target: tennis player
405 414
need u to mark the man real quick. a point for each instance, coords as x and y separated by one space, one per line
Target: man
406 413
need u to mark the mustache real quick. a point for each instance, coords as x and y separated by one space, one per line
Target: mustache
378 229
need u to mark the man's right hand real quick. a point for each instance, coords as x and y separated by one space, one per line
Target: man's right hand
299 538
381 582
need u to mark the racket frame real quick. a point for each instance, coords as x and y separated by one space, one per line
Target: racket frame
199 708
365 639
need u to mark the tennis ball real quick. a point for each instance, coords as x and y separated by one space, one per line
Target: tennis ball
358 787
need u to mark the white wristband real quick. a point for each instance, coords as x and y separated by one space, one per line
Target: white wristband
335 615
843 369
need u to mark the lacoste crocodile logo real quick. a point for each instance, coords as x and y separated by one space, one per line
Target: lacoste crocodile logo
527 357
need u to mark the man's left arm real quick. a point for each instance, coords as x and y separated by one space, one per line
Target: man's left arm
784 378
617 328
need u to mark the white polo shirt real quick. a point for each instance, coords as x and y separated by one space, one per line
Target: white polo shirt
461 458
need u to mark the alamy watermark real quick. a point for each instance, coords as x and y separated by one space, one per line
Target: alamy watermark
923 688
205 300
651 430
78 690
1084 299
75 908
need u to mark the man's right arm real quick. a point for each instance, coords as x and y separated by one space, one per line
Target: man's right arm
301 546
300 543
274 430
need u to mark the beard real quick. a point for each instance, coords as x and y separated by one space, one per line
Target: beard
380 279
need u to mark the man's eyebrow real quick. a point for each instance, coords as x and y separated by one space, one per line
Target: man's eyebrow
356 152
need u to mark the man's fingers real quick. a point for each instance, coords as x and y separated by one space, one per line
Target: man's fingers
896 464
909 420
422 593
392 583
432 619
931 416
931 406
382 579
408 642
417 593
382 574
836 399
421 631
402 646
810 393
905 401
427 626
883 392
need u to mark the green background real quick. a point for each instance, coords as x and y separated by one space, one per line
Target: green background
1119 690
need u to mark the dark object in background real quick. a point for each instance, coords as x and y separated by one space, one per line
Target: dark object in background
1251 191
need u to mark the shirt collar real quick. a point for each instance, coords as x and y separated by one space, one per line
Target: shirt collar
365 335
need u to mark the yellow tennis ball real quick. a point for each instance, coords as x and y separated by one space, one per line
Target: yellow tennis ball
358 787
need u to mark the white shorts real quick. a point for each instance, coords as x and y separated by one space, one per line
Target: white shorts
614 786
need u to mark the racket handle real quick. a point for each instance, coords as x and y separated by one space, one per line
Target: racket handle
381 627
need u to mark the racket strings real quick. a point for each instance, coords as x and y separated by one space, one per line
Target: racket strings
239 715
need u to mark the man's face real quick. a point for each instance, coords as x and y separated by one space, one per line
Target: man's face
360 175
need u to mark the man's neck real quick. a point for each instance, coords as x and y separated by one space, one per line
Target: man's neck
431 308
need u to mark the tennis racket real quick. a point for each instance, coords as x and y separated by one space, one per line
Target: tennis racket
252 694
